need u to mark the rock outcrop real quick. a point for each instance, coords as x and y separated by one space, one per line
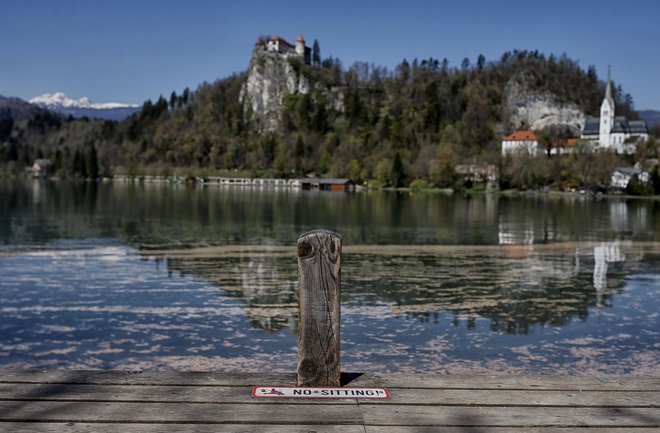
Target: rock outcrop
271 76
539 110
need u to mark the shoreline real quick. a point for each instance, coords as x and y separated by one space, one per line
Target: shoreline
363 188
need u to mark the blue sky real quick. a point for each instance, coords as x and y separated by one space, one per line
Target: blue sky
129 51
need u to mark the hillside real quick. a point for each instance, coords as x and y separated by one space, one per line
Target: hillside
17 109
364 122
651 117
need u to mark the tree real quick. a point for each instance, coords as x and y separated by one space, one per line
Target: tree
316 53
92 163
354 170
280 160
325 161
383 169
397 175
441 171
79 166
481 62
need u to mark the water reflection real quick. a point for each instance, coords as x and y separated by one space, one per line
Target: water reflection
515 289
125 276
161 216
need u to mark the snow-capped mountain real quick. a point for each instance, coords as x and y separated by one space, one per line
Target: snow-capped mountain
83 107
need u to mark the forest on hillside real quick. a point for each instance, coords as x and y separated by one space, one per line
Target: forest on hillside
410 125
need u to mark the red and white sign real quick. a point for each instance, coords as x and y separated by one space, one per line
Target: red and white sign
303 392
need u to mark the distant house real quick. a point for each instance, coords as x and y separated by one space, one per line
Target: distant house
477 173
622 176
563 147
41 168
520 141
613 132
320 184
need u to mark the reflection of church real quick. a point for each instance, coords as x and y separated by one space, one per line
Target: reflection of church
518 243
604 253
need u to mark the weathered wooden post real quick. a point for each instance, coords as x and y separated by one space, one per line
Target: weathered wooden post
319 266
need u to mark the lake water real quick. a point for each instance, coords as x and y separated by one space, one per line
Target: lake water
121 276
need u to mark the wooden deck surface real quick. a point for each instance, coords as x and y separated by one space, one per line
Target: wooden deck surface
124 402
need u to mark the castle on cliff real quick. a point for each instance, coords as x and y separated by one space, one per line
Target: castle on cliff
285 48
613 132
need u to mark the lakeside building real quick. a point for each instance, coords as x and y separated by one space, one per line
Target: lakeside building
278 44
621 176
520 141
564 147
476 173
41 168
322 184
613 132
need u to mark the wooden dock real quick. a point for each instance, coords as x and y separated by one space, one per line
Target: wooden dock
113 401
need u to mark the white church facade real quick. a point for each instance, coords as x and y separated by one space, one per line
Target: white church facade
613 132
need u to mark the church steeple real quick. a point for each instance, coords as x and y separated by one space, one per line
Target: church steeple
607 114
608 90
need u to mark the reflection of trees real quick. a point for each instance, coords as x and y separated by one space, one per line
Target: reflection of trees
164 216
516 286
515 294
266 285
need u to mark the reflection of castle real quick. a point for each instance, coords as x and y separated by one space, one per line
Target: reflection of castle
271 303
264 282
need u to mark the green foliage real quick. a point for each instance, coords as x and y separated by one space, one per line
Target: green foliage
636 187
383 170
419 184
397 174
418 121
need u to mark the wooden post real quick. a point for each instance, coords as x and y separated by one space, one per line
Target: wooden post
319 266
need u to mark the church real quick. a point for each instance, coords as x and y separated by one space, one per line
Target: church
613 132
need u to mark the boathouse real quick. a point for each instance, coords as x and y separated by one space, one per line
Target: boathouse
321 184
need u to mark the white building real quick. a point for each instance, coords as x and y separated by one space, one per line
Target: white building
613 132
622 176
280 45
520 141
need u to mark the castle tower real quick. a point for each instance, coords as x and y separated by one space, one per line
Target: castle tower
606 115
300 46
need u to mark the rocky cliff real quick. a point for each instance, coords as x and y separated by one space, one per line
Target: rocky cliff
538 110
271 76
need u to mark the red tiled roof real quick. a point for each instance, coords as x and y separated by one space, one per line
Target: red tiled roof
521 136
565 142
300 39
282 40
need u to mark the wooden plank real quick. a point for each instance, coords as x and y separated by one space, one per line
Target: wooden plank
144 394
47 427
390 380
319 273
487 429
568 383
460 397
58 411
509 416
150 378
446 397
